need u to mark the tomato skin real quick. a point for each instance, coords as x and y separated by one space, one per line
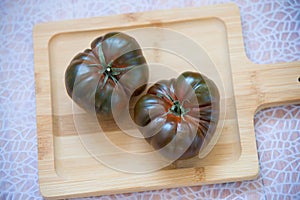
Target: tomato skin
95 78
181 112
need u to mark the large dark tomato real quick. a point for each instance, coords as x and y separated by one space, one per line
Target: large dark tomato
106 75
176 116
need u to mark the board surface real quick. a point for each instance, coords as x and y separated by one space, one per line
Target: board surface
67 169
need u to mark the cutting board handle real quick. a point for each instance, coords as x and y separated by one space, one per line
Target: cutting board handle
277 84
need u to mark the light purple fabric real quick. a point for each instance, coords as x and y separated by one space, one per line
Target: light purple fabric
271 31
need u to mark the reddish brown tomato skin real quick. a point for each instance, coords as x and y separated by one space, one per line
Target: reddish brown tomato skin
108 74
183 110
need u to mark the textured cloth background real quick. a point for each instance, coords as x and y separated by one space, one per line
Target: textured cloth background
271 30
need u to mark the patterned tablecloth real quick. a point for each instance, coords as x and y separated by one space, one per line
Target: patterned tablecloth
271 31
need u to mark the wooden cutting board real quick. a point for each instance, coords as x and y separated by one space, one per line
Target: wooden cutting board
67 169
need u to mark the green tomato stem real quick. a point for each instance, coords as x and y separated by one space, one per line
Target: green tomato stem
178 109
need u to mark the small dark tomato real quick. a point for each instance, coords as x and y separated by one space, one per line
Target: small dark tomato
108 74
177 116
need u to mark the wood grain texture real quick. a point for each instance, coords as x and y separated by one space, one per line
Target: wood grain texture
66 169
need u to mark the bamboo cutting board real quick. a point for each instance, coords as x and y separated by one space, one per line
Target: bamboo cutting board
67 169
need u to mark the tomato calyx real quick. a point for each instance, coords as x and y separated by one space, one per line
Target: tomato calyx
108 70
176 109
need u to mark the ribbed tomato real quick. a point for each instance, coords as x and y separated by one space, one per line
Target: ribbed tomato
92 79
176 116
